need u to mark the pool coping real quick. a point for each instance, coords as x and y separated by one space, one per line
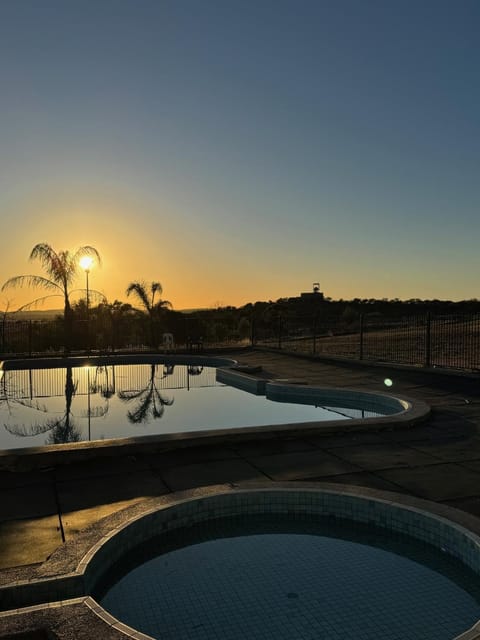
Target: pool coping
64 579
230 372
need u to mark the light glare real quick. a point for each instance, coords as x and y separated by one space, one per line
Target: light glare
387 382
86 262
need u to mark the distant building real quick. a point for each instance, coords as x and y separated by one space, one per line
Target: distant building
314 296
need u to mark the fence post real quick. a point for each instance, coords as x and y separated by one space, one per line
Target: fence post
360 346
315 319
30 337
428 340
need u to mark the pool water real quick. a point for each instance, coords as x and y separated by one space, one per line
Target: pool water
290 579
60 405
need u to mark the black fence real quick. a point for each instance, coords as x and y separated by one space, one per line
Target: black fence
451 341
110 335
426 340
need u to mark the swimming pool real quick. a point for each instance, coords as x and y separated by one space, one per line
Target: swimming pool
103 399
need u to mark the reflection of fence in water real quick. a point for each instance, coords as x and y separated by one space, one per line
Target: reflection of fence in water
34 383
181 377
38 383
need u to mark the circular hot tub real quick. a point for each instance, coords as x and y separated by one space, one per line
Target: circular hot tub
289 563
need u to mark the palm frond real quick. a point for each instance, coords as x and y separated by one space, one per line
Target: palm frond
140 413
162 399
43 252
87 250
163 304
37 301
27 431
62 267
50 260
140 290
93 294
155 288
30 281
131 394
157 412
94 412
64 431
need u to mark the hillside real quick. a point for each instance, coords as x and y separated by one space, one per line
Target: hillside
39 314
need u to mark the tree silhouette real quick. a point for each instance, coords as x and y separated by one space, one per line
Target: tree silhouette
62 268
146 295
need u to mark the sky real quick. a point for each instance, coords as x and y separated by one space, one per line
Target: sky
242 150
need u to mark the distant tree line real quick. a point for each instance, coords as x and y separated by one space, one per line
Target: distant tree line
114 324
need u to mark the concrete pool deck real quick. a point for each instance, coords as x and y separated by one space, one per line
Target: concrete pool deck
438 460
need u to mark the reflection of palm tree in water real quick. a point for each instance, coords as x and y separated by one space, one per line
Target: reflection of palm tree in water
105 387
150 400
61 429
64 429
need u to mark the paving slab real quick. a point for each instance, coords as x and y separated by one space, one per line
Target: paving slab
457 450
472 505
189 455
28 541
302 465
417 433
473 465
361 479
11 479
30 501
383 456
85 501
272 446
441 482
84 493
99 467
348 439
215 472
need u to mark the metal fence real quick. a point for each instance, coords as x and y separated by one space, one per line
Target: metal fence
104 335
425 340
451 341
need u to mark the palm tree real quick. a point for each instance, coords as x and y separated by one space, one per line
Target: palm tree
146 294
61 268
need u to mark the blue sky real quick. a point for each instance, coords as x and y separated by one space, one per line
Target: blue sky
240 151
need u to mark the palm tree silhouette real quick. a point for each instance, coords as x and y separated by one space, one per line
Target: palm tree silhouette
60 430
146 294
61 268
150 400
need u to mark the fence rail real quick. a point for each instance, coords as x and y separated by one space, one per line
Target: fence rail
451 341
425 340
30 337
